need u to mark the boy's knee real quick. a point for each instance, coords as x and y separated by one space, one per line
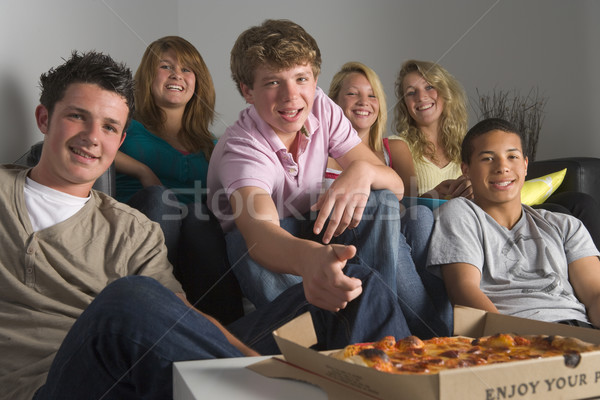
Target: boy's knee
131 283
385 197
137 300
383 203
129 289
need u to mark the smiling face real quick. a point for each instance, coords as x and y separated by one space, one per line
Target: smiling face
283 99
424 104
497 169
358 101
81 138
174 84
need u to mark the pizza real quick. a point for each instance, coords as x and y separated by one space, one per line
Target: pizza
412 355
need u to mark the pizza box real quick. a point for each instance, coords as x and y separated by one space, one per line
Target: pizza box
546 379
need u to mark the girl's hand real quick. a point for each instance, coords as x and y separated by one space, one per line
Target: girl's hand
452 188
460 187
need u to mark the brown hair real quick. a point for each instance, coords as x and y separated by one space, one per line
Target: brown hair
280 44
91 67
199 111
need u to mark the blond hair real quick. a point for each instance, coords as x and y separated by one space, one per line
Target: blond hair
378 128
453 121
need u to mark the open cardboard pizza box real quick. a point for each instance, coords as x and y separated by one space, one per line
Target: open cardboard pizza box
547 378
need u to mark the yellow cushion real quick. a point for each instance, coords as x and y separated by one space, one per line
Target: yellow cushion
537 190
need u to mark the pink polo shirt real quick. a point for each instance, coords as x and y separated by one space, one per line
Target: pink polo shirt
251 154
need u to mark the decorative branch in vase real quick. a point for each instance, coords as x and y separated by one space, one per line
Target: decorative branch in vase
526 112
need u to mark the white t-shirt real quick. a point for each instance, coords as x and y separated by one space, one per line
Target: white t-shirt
47 207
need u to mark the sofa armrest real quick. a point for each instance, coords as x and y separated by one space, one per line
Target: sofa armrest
105 183
583 174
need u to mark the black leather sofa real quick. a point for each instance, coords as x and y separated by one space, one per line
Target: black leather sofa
583 174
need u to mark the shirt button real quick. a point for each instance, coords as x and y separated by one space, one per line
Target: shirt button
30 250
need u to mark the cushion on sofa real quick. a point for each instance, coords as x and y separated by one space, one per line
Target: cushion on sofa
583 174
535 191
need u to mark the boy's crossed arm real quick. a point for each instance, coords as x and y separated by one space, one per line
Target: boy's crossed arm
320 266
462 285
584 276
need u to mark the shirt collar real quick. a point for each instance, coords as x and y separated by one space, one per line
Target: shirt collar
310 126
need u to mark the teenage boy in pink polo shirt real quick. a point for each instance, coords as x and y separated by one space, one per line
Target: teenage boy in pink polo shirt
264 180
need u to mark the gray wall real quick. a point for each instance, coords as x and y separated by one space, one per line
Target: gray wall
509 44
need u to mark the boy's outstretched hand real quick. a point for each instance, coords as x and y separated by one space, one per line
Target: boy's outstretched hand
325 284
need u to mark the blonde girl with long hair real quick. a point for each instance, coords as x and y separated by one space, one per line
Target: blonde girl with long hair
431 121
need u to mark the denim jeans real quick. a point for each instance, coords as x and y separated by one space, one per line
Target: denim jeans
123 345
160 205
196 249
417 226
203 266
381 246
372 316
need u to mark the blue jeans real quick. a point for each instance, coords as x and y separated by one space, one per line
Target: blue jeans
372 316
160 205
196 249
417 226
203 266
381 246
123 345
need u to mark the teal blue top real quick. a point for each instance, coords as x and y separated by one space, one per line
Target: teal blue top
183 173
